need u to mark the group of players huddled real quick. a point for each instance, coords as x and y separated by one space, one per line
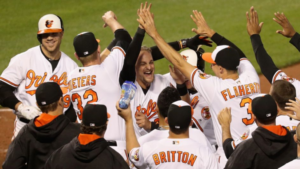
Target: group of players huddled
69 116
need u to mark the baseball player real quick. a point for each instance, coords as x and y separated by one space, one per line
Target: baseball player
201 117
235 81
271 72
95 82
27 70
282 92
176 151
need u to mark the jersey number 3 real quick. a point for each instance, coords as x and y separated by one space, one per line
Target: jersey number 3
86 95
243 103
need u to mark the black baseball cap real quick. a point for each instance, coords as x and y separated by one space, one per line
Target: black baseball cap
95 115
85 44
225 56
180 115
264 108
47 93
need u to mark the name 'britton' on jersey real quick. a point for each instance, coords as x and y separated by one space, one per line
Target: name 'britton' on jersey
240 90
172 156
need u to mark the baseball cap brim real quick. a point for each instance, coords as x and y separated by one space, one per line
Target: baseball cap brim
207 57
98 40
49 31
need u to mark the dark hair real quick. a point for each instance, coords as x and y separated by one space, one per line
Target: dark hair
99 130
267 122
282 91
166 98
179 131
51 107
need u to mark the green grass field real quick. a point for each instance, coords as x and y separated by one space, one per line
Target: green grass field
19 18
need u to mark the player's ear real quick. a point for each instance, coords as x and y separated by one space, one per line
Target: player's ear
295 138
166 120
75 54
191 123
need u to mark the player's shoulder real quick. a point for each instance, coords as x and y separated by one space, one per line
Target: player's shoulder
26 55
69 60
152 136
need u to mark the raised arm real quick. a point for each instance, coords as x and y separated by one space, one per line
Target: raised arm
191 43
265 62
287 29
146 20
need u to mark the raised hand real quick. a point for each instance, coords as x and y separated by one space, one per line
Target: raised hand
177 75
202 27
295 107
252 22
146 19
109 15
224 117
288 30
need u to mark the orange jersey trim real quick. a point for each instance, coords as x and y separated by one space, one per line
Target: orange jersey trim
197 124
278 130
11 83
85 139
243 59
193 75
44 119
116 47
275 76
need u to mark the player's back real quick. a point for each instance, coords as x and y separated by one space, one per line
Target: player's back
100 83
236 94
195 135
177 153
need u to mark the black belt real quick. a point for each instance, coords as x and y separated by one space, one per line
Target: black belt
112 143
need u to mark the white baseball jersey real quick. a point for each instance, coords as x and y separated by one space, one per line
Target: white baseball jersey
220 93
100 84
27 70
280 75
292 164
173 153
147 103
195 135
201 117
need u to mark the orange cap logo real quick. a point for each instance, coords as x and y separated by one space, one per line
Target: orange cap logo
185 57
49 23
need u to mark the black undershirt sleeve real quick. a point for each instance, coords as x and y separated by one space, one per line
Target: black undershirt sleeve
227 147
265 62
295 40
70 113
7 97
128 70
156 54
220 40
154 125
123 39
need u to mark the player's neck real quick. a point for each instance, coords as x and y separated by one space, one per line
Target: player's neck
162 123
96 62
55 55
233 76
183 135
56 112
285 113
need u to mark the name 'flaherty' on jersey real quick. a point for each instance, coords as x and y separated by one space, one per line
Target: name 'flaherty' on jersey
240 90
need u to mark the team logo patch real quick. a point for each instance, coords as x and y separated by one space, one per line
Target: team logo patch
205 113
204 76
135 155
49 23
289 79
185 57
245 135
176 142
